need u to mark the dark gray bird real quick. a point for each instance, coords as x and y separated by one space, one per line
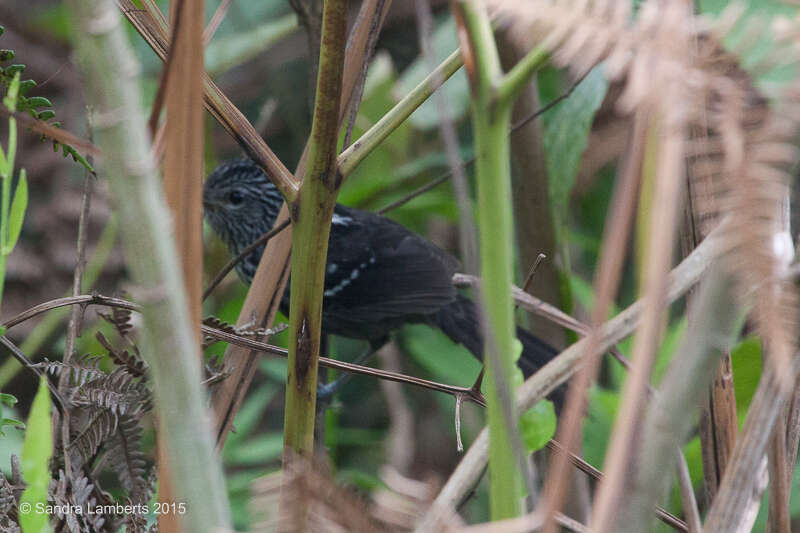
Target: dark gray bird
379 274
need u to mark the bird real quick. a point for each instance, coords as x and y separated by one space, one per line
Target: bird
379 275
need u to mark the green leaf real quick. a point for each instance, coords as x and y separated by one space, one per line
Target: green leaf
746 366
538 425
567 129
230 51
13 422
17 214
7 399
455 90
26 86
37 101
46 114
36 452
10 100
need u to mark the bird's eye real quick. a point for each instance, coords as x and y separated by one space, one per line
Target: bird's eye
235 198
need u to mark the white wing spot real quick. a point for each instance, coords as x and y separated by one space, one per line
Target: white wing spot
340 220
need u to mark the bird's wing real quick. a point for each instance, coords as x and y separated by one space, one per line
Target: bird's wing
378 269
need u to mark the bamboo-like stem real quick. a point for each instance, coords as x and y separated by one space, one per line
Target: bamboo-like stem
311 217
181 85
169 341
491 119
737 487
661 235
560 369
356 152
668 419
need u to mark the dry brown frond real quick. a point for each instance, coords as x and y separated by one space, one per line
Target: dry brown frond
312 496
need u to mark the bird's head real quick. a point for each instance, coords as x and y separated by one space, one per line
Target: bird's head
240 203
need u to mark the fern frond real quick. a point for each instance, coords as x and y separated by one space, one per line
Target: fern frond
81 370
126 459
95 432
132 362
118 392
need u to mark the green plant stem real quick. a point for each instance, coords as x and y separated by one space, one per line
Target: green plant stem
169 341
356 152
520 75
7 175
491 119
44 329
311 216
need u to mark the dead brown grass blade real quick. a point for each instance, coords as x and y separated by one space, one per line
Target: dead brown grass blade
181 89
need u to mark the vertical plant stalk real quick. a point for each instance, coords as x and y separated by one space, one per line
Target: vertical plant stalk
668 420
6 175
616 233
183 169
661 237
311 213
718 423
533 216
169 339
492 99
741 476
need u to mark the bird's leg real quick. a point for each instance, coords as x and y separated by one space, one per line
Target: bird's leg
326 391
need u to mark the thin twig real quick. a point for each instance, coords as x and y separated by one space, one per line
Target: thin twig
468 393
27 363
57 134
351 111
532 271
690 509
216 20
76 318
161 92
244 253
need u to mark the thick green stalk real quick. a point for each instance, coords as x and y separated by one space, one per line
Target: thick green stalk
311 215
496 260
490 126
492 98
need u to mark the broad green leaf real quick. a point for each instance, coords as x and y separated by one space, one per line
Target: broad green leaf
746 365
445 360
456 89
567 129
602 410
227 52
18 206
538 425
36 452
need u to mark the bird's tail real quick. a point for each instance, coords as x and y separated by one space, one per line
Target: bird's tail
459 321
